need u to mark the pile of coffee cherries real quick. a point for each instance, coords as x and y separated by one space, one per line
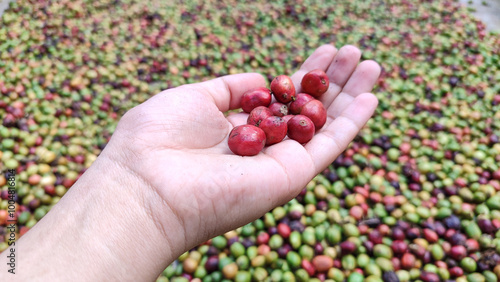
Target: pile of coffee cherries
298 116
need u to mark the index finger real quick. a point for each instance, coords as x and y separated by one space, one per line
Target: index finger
320 59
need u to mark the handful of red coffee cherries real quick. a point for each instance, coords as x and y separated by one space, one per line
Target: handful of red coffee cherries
297 115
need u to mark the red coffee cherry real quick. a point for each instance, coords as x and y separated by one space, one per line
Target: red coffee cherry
283 89
316 112
300 129
255 97
246 140
300 101
275 129
279 109
315 83
258 114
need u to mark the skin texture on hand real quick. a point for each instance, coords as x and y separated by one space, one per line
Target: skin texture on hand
168 160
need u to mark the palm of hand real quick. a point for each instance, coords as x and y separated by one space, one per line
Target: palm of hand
177 144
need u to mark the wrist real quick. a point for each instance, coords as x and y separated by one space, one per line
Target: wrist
103 227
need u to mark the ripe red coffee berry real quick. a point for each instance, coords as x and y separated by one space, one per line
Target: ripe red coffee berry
279 109
315 83
308 267
284 230
300 129
246 140
283 89
316 112
408 261
458 252
253 98
300 101
259 114
275 129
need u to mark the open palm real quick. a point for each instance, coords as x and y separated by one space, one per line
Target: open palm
176 144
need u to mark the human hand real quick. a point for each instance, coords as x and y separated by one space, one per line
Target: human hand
167 180
176 144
